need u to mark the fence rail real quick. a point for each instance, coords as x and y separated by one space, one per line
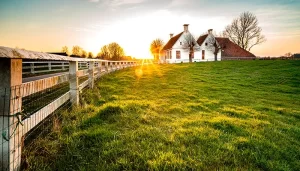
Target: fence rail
38 67
23 106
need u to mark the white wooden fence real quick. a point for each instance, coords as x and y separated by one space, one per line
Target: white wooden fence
38 67
12 127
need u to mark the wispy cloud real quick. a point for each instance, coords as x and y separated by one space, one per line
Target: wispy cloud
93 0
125 2
117 2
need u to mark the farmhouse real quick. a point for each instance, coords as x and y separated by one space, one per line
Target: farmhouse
184 48
296 56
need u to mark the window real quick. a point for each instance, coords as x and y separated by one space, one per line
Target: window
180 43
205 44
203 54
170 54
177 54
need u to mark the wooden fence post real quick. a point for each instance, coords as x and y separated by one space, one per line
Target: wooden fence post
111 66
63 66
99 69
32 68
106 66
10 106
49 66
74 88
91 74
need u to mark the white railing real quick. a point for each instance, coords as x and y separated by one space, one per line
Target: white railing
11 68
38 67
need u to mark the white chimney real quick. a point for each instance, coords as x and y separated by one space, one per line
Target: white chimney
171 35
186 28
210 31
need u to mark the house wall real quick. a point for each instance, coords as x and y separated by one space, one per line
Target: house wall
209 56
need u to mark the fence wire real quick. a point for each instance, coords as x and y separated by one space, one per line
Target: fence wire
21 119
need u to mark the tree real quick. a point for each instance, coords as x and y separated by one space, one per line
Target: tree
189 44
126 58
116 52
90 55
104 53
289 54
77 51
83 53
156 47
244 31
65 49
212 44
113 51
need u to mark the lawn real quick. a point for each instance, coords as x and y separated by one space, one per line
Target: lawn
229 115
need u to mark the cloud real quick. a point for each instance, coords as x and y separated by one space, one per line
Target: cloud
117 2
93 0
125 2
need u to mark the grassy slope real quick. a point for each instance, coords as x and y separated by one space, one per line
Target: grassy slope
219 115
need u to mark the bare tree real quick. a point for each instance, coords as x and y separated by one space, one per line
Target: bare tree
212 45
244 31
289 54
156 47
189 44
65 49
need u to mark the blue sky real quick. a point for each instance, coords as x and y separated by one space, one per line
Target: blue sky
50 24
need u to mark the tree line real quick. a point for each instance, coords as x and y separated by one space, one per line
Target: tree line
243 31
112 51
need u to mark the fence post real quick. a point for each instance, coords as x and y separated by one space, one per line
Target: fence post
63 66
32 68
10 104
99 69
106 66
91 74
49 66
74 89
111 66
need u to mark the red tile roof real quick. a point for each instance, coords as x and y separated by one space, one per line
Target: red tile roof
230 49
172 41
201 39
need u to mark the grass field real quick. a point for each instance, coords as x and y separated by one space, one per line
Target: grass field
231 115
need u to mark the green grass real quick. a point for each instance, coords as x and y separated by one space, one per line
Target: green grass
231 115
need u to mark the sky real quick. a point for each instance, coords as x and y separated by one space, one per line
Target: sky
48 25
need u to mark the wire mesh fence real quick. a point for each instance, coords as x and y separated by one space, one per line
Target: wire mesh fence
33 110
21 122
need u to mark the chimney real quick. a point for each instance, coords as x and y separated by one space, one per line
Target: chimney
171 35
210 31
186 28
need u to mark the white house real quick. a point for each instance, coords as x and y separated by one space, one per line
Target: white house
184 48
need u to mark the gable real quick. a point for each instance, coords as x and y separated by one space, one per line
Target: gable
201 39
172 41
